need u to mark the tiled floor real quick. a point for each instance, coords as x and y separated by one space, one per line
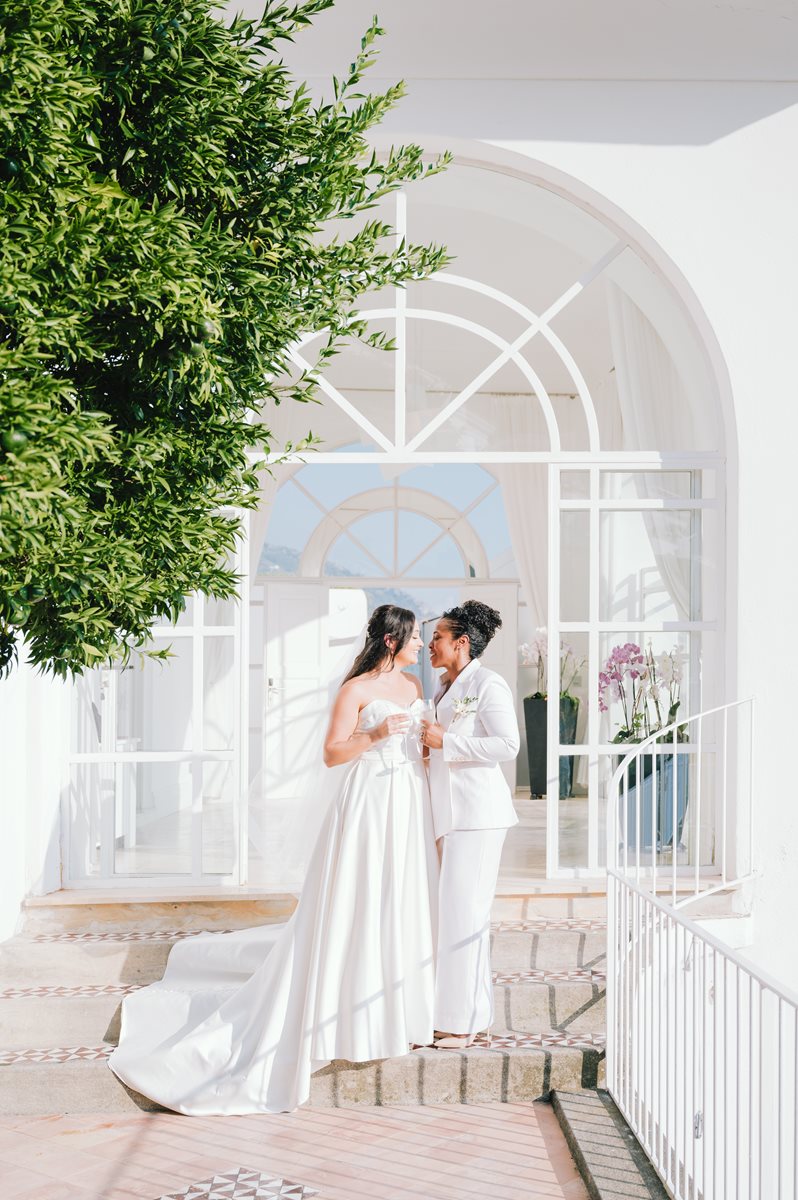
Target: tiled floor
451 1152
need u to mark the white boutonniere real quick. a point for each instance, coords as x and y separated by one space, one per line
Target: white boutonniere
464 707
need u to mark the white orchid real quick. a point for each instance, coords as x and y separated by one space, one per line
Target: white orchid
536 654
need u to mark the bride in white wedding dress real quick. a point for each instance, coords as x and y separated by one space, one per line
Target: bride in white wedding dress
241 1020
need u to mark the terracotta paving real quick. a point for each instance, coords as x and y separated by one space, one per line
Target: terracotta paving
440 1152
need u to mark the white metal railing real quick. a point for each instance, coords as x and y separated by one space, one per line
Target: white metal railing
680 811
702 1047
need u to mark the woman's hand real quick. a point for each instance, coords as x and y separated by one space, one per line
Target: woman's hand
395 723
432 735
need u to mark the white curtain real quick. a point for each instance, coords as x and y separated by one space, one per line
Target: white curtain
656 415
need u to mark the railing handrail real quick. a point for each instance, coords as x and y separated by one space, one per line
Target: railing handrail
658 739
659 733
704 935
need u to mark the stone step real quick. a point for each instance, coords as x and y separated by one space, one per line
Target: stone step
45 1017
129 958
93 912
81 912
61 991
511 1074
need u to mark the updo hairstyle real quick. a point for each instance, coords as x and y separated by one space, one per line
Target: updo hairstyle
474 620
387 621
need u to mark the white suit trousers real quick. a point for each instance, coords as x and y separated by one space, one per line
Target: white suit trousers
469 871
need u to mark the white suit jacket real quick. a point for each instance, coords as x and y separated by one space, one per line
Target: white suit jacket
467 785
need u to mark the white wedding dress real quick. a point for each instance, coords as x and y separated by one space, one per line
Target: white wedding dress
241 1020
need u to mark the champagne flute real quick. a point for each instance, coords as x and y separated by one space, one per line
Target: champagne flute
426 714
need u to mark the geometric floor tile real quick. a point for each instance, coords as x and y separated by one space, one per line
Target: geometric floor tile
156 935
547 924
533 924
571 975
541 1041
56 1054
505 1041
240 1182
79 991
87 990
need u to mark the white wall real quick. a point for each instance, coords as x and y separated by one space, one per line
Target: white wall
32 742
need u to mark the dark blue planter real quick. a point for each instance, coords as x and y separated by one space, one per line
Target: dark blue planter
663 834
535 720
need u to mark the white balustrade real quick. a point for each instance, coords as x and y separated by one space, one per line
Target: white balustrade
702 1046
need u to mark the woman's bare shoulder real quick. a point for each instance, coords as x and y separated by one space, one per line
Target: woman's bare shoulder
353 689
416 681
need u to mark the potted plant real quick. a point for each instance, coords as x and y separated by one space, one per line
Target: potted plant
647 686
535 706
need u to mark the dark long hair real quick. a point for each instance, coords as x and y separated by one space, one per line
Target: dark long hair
474 620
387 621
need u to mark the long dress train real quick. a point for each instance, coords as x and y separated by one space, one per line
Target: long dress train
241 1020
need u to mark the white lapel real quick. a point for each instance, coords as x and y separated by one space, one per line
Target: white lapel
455 692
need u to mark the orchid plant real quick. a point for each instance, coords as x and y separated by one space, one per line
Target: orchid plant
647 686
536 654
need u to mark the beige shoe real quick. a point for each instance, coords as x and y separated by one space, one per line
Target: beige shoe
455 1041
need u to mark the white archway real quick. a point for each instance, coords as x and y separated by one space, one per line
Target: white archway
663 498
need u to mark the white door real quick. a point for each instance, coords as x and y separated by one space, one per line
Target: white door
307 629
157 761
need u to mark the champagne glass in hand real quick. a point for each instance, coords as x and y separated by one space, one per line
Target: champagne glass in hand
426 714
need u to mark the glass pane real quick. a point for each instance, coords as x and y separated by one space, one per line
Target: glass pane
443 561
524 854
184 618
458 483
91 793
645 485
152 819
366 376
333 483
154 702
574 565
510 418
572 815
291 522
575 485
347 558
669 806
219 693
643 677
219 612
218 823
89 693
574 678
489 520
648 564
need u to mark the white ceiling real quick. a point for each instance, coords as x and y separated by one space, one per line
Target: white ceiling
555 39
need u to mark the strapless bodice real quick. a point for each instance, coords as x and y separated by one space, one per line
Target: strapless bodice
399 747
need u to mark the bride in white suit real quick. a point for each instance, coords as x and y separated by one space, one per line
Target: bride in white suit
474 731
